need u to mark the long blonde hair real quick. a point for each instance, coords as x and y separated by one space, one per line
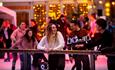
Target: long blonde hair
49 32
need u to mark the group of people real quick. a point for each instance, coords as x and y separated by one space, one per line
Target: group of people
61 34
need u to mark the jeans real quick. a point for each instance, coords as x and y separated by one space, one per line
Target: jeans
25 61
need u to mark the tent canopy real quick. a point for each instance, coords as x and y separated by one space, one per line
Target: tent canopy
6 13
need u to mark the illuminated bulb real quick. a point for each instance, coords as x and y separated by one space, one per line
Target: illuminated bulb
37 5
107 4
35 15
81 9
94 6
100 2
35 10
40 5
89 7
33 7
113 3
42 10
40 20
107 9
63 6
72 7
107 14
59 5
50 5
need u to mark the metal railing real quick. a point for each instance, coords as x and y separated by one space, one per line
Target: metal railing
81 52
85 52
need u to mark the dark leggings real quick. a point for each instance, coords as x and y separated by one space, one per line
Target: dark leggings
56 61
84 59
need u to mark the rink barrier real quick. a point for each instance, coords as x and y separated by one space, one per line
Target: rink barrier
84 52
91 53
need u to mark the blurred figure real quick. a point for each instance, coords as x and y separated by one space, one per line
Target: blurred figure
81 19
16 35
86 24
92 19
34 28
53 40
62 27
48 20
6 32
28 41
13 27
77 39
1 46
36 56
103 40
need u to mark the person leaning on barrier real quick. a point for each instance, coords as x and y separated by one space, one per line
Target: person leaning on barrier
28 41
77 39
16 35
36 56
6 32
103 40
1 46
53 40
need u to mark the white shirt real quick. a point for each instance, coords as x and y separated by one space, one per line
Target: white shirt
6 33
55 45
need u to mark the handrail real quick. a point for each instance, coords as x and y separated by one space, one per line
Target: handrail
86 52
81 52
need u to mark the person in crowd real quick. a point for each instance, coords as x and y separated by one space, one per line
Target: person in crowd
28 41
81 19
48 20
103 40
1 46
86 23
77 39
34 28
6 32
16 35
13 27
92 20
53 40
62 27
36 56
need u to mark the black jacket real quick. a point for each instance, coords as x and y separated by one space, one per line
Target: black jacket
105 40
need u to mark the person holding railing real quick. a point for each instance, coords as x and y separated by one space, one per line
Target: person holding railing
53 40
77 39
103 40
16 35
6 32
28 41
37 57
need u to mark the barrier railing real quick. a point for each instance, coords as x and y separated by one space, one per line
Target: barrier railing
53 51
81 52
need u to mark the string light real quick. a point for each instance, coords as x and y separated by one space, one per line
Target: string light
113 3
100 2
107 9
55 11
107 4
